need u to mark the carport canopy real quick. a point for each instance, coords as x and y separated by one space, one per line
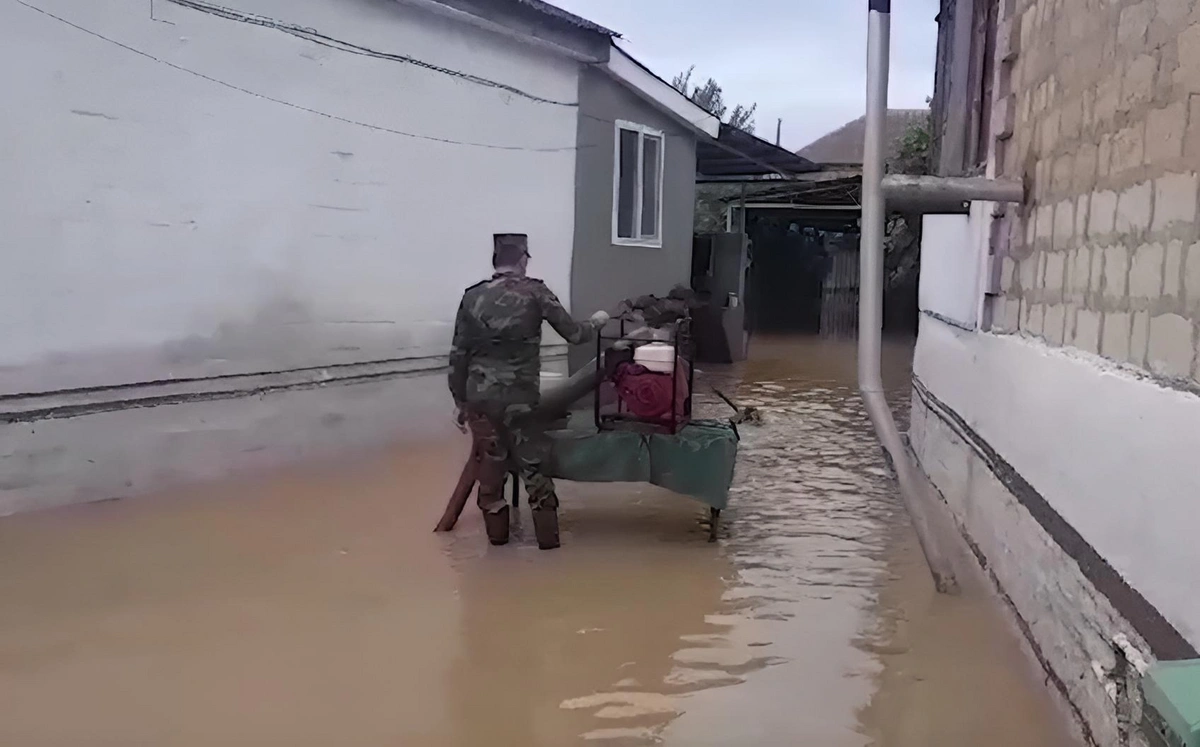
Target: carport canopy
737 156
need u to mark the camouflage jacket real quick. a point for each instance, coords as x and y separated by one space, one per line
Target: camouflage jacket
496 354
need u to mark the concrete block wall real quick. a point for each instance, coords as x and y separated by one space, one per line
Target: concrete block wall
1067 621
1105 256
1074 476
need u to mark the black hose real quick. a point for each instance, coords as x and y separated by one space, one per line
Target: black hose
557 402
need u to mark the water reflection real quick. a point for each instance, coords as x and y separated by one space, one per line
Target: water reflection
585 644
807 535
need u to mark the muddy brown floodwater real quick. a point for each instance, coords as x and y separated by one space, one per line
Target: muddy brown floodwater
315 607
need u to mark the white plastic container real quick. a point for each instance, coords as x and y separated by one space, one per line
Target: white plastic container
658 357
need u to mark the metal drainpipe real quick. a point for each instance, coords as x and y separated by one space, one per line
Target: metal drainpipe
870 302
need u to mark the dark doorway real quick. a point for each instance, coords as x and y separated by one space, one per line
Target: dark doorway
787 272
803 276
791 258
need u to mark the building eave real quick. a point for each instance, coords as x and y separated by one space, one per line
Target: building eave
635 76
528 24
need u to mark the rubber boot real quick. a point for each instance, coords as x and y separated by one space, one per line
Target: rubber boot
545 528
497 526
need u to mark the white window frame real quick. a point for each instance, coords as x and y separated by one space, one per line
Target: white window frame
655 241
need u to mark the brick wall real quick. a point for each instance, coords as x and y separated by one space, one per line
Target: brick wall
1106 134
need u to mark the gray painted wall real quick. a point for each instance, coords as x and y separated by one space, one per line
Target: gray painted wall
602 274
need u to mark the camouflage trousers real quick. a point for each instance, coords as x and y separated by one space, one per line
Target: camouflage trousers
510 440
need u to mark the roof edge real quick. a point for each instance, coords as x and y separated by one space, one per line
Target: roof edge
562 16
635 76
528 22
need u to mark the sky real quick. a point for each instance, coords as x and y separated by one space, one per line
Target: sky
802 60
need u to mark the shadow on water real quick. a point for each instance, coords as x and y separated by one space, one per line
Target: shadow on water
315 607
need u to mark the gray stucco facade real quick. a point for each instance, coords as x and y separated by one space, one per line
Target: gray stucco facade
603 272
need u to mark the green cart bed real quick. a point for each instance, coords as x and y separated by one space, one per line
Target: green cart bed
696 462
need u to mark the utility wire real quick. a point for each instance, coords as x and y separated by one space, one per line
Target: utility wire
317 37
311 34
298 107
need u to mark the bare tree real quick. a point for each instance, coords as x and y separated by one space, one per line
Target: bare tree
710 98
743 118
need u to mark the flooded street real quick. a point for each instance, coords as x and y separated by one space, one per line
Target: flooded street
316 607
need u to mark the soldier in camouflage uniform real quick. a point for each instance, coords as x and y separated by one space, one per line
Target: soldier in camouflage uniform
495 376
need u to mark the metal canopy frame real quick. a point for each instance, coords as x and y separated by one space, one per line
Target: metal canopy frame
827 196
836 190
737 156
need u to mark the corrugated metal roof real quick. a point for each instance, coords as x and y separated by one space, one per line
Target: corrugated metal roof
558 14
735 153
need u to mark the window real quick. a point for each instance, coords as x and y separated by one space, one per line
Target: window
637 185
964 89
983 69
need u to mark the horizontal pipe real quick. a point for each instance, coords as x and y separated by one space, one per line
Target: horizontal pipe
899 189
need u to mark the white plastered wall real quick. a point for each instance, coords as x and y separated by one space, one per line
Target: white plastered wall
158 224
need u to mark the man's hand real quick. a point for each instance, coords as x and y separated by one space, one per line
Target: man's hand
599 319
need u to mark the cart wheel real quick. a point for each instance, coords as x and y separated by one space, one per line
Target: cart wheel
714 517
